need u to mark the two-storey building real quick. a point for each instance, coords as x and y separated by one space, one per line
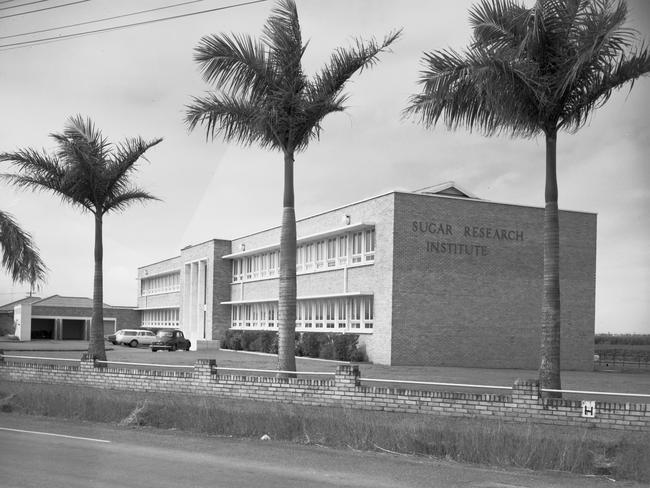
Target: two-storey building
432 277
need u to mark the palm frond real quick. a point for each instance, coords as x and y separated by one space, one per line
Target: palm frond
122 162
591 95
127 197
20 257
235 119
499 23
282 36
235 63
461 89
344 63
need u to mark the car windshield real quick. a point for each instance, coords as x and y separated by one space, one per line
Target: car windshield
164 333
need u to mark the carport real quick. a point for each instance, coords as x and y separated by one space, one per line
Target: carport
73 329
42 328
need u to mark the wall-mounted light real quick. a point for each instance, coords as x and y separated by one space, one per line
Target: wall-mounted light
346 219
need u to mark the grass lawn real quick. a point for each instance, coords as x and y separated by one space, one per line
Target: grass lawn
606 381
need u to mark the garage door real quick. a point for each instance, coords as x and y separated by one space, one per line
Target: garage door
109 326
72 329
42 328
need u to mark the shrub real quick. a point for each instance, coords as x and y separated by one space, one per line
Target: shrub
342 347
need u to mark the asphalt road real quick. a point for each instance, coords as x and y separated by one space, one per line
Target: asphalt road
40 452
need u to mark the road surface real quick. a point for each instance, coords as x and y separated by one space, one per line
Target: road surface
41 452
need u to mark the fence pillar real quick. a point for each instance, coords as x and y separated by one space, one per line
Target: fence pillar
526 393
88 363
347 376
204 369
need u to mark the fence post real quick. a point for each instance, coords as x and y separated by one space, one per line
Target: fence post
2 356
204 369
88 363
526 393
347 376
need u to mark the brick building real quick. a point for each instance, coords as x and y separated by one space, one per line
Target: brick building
61 318
432 277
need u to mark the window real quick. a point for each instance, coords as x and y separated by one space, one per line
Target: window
349 248
308 315
237 270
330 314
368 312
318 314
248 262
357 239
343 250
300 258
355 314
248 315
320 254
369 245
331 252
163 317
167 283
342 314
309 256
274 259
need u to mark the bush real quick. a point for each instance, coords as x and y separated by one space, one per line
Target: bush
627 339
342 347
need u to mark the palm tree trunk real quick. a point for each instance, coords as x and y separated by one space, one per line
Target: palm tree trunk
549 369
96 347
287 292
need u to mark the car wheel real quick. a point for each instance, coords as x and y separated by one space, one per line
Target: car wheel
133 343
173 348
153 349
114 343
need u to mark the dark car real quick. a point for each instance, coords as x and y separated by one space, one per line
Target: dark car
170 340
111 338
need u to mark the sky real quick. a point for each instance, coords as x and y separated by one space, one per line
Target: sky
137 81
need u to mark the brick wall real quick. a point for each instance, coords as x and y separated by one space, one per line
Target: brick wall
345 390
483 309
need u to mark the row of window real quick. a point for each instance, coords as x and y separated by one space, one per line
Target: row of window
350 248
265 265
160 284
164 317
333 314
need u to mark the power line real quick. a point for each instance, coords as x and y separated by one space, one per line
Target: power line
22 4
43 9
101 20
17 45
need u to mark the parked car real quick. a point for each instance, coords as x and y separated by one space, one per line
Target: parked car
170 340
134 337
111 338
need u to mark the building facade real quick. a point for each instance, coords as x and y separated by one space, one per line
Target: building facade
433 277
61 318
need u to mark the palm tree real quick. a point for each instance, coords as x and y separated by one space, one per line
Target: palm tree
20 256
265 98
89 173
527 72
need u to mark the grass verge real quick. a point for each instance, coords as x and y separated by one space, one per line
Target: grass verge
620 455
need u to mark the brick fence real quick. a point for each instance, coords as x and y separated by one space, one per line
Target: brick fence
524 404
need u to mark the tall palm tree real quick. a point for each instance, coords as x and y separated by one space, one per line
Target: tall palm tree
89 173
265 98
20 256
528 72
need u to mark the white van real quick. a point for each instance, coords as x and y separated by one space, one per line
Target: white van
134 337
